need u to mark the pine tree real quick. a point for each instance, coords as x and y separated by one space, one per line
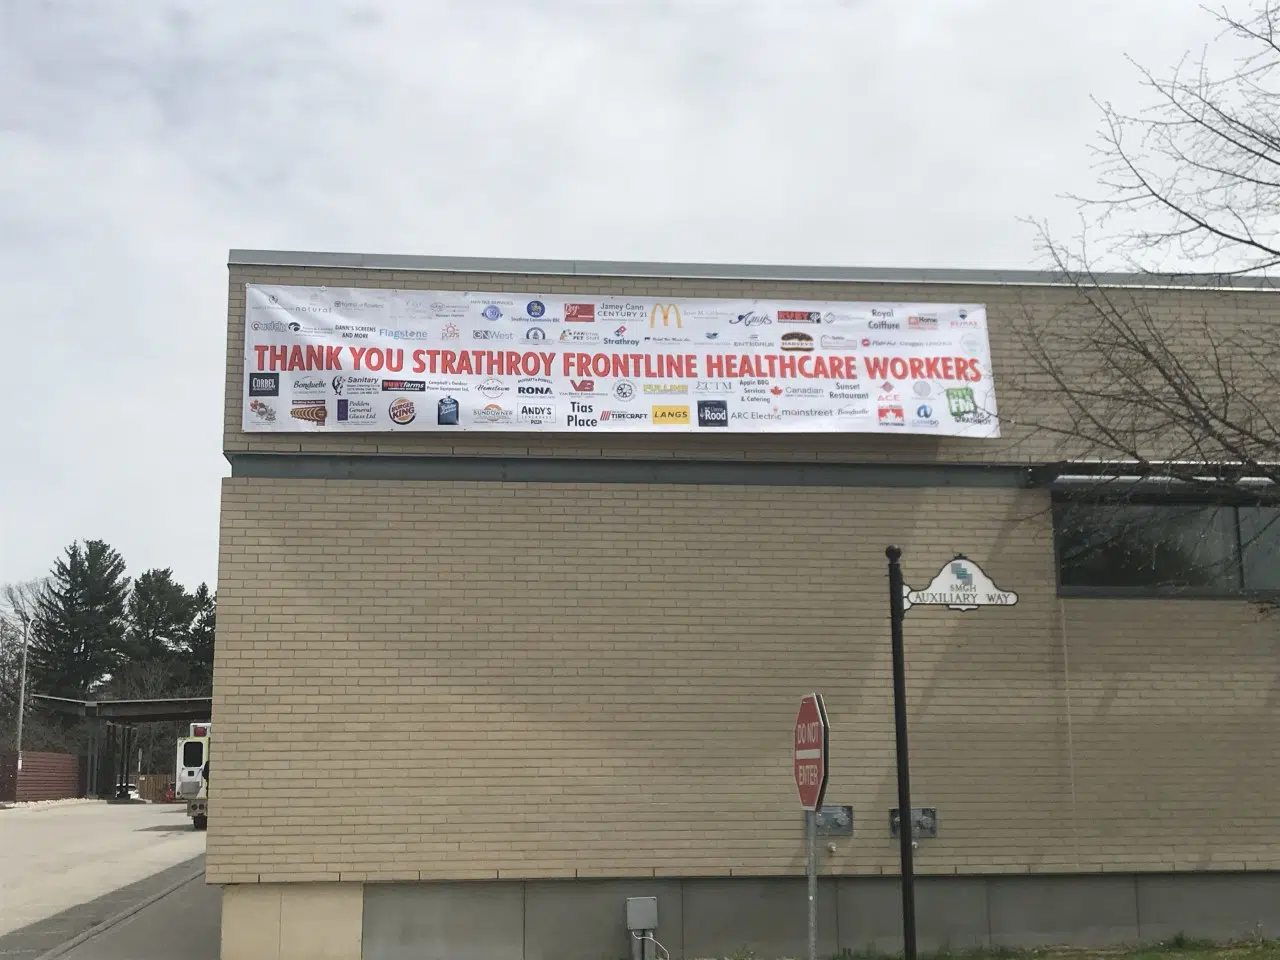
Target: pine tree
200 638
77 635
160 614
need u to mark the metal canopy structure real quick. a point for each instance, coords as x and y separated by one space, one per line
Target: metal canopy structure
112 731
186 709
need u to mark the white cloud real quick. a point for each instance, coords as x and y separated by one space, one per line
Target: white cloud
138 150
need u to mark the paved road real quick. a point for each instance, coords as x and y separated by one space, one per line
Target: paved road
66 867
185 924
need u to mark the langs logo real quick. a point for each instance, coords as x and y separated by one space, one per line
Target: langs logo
666 311
264 384
670 416
713 413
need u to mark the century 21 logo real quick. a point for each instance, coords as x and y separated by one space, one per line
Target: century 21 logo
667 309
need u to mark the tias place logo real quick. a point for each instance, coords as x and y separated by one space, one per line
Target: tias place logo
669 416
402 411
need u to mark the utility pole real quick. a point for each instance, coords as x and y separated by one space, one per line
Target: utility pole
22 685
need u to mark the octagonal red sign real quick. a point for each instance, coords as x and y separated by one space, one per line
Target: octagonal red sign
810 751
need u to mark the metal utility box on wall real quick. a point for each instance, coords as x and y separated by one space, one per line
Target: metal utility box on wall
642 913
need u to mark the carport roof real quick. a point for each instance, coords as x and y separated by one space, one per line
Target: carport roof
189 709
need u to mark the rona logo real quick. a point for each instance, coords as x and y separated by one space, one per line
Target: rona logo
671 415
666 310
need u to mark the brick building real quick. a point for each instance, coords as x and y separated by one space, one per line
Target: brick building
473 690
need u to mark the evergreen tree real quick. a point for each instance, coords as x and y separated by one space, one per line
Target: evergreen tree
160 613
77 635
200 639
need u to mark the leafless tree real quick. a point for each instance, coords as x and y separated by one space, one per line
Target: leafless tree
1190 195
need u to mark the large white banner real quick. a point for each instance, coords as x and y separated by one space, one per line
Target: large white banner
344 360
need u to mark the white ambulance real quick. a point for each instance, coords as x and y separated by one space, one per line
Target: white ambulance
190 783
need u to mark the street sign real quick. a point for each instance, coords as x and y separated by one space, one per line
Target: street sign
810 751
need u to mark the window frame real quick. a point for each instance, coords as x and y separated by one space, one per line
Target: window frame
1142 498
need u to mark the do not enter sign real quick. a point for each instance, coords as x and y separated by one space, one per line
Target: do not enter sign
810 751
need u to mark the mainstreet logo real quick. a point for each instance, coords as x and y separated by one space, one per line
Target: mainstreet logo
960 585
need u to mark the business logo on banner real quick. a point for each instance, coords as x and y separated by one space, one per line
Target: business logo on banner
755 366
960 585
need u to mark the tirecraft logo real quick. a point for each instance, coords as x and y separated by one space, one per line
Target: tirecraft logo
404 386
402 411
666 311
671 416
621 415
264 384
581 415
713 413
310 411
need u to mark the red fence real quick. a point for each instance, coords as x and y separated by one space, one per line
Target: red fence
44 776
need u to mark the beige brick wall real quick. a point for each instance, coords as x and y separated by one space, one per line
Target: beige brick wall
465 680
1006 306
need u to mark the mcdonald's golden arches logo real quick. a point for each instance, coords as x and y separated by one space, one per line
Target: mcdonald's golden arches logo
666 309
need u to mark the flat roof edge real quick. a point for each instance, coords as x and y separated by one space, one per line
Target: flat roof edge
722 271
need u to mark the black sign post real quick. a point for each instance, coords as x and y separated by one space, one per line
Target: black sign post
905 832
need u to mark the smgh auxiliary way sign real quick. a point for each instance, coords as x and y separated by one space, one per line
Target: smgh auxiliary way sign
960 585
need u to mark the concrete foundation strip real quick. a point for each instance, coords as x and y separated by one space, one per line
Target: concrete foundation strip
123 915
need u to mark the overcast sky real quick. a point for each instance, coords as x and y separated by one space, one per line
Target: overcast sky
137 146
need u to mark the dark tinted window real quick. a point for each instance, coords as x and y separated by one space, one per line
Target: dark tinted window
1165 547
193 754
1260 547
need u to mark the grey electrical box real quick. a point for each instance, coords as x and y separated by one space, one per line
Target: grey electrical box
924 822
835 821
642 913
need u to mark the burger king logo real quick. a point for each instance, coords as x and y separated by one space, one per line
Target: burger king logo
402 411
